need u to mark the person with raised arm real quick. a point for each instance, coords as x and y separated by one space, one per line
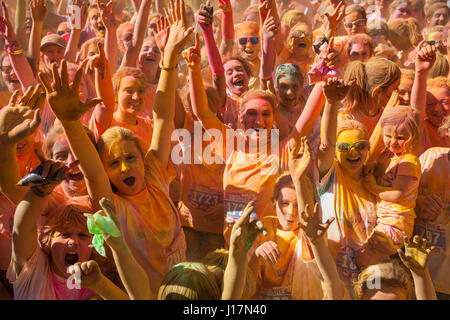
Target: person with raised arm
148 217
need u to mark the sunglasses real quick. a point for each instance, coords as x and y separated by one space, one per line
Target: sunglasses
300 33
243 41
358 145
61 32
357 23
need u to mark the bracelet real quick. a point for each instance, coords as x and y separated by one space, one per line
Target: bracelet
16 53
39 193
168 69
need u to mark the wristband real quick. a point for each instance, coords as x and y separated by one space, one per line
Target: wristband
168 69
13 48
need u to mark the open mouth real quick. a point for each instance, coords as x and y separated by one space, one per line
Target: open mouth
21 146
248 51
354 161
129 181
238 83
15 81
302 45
134 105
150 59
71 258
76 177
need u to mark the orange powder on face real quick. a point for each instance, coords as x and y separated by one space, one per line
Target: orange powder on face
247 28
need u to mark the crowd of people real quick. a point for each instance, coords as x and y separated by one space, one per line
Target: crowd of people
227 149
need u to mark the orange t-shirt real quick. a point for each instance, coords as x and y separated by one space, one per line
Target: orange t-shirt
143 129
201 194
151 224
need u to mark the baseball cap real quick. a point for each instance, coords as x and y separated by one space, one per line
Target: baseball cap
54 39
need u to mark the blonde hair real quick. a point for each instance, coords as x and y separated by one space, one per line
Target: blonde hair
189 281
292 17
390 272
444 127
404 33
351 125
408 74
438 82
440 67
376 72
217 260
259 94
84 50
247 25
114 134
128 71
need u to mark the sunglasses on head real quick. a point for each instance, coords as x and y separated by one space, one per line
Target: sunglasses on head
244 40
7 69
357 23
358 145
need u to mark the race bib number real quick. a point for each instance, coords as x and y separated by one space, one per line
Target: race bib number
434 233
276 293
346 262
204 198
235 204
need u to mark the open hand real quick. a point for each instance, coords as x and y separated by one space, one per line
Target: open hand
335 90
162 34
107 15
63 96
311 226
179 32
18 121
416 254
6 27
39 10
299 159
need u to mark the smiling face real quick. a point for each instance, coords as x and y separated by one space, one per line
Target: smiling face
75 184
236 77
9 76
52 53
130 96
287 209
249 45
69 246
396 138
353 159
438 105
257 115
439 18
124 165
150 54
300 41
289 91
95 22
358 23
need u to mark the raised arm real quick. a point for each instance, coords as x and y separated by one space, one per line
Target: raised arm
72 46
15 52
133 277
65 102
24 233
112 48
205 21
425 59
226 47
39 12
140 29
415 258
269 30
199 100
19 22
334 91
17 123
243 235
164 106
103 112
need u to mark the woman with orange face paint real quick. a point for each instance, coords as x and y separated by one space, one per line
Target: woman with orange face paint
148 217
253 178
249 47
